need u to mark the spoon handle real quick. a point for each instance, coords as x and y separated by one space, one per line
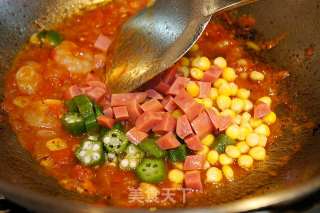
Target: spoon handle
211 7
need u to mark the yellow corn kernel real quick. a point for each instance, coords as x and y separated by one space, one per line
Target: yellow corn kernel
237 119
255 122
47 162
196 73
218 83
185 71
208 140
204 151
193 89
243 93
225 89
214 175
220 62
266 99
252 139
149 191
270 118
176 176
253 45
228 172
232 151
213 93
21 101
194 48
242 62
202 63
223 102
178 165
225 159
184 61
228 112
247 105
207 102
262 140
243 132
258 153
56 144
213 157
245 161
237 105
177 113
243 147
34 39
206 165
262 129
256 76
246 125
229 74
233 131
52 102
245 118
233 89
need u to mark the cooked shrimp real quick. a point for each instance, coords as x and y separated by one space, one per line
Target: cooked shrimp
75 60
28 78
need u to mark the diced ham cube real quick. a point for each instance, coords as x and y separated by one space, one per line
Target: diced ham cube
72 92
192 180
194 162
169 104
193 143
224 122
121 113
219 122
193 110
261 110
183 100
107 111
168 124
95 93
124 98
183 127
205 88
152 105
105 121
134 110
136 136
162 87
148 120
170 75
103 43
212 74
202 124
178 86
168 141
154 94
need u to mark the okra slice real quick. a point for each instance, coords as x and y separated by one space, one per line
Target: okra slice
132 158
151 171
115 141
90 153
73 123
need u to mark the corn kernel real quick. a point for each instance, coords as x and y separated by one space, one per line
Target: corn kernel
176 176
242 62
246 125
262 129
206 165
229 74
202 63
243 147
225 159
21 101
47 162
225 89
149 191
34 39
258 153
213 93
220 62
184 61
228 172
256 76
208 140
245 161
247 105
255 122
243 132
263 140
185 71
178 165
233 131
194 48
193 89
232 151
228 112
245 118
213 157
252 139
270 118
204 151
177 113
253 45
218 83
237 119
223 102
237 105
196 73
266 99
207 102
233 89
213 175
56 144
243 93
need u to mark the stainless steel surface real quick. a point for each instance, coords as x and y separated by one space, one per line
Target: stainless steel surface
157 37
24 182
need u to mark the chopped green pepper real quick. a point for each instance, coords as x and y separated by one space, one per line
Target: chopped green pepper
84 105
97 110
221 142
151 170
51 37
115 141
73 123
91 123
132 158
90 153
149 146
71 106
178 154
118 126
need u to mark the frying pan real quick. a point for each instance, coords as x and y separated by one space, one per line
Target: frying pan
292 169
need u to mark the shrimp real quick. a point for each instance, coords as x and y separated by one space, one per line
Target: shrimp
75 60
28 78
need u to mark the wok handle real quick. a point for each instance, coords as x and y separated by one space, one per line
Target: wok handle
211 7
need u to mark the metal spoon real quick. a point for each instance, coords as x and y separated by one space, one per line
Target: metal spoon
158 36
